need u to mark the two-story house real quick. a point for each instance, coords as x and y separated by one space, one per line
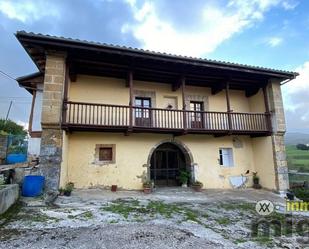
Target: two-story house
109 115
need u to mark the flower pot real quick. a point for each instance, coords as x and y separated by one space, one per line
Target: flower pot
67 193
184 185
290 196
257 186
114 188
147 190
256 181
197 188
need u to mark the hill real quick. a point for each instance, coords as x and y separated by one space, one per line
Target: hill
293 138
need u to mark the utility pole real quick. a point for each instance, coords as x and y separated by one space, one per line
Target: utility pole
7 115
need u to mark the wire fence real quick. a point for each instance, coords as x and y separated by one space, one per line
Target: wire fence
298 178
13 149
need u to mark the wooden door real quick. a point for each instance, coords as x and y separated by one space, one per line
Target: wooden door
196 114
166 166
142 112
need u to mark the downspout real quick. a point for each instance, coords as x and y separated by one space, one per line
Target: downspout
288 80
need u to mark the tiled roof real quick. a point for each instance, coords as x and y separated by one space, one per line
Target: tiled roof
149 52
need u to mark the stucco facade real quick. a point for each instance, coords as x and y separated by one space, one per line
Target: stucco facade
114 115
133 151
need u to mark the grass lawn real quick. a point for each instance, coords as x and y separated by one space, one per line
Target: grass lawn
297 160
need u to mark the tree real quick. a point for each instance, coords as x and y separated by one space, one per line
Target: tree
10 127
302 147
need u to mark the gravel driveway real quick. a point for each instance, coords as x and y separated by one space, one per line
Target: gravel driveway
183 219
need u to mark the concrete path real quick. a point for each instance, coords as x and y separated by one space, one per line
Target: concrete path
185 195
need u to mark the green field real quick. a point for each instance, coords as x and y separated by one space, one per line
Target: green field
297 160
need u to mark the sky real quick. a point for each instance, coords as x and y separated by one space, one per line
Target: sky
268 33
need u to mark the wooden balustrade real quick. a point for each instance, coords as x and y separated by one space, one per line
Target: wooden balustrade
87 115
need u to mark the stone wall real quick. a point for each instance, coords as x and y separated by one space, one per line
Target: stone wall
8 196
51 140
278 126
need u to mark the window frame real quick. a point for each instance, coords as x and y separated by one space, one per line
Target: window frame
229 154
103 146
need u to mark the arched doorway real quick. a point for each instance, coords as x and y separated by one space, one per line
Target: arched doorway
167 160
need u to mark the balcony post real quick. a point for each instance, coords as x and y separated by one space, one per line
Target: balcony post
183 85
267 112
65 95
130 83
228 105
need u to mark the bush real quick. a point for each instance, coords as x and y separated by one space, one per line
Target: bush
302 147
301 193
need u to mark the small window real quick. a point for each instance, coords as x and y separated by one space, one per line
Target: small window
226 157
105 153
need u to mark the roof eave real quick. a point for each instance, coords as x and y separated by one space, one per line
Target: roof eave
69 43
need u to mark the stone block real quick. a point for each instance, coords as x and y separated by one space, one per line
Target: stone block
8 196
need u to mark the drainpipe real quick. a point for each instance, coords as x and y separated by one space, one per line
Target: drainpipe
288 80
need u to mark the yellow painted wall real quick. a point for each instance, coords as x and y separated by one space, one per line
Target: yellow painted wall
132 153
264 161
64 163
113 91
256 102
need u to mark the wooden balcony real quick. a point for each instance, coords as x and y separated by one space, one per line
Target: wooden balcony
79 116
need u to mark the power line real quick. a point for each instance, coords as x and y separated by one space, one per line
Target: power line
6 75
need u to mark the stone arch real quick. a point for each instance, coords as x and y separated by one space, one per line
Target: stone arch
184 149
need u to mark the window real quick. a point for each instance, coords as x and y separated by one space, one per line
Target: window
144 103
226 157
105 153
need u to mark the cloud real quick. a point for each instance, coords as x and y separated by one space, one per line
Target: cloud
28 11
84 19
218 24
296 99
289 5
274 41
23 124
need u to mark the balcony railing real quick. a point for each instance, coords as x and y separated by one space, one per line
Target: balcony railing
80 115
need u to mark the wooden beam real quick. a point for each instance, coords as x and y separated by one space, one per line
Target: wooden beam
176 85
267 112
183 86
65 93
227 95
217 88
252 91
31 112
72 71
131 101
129 80
228 105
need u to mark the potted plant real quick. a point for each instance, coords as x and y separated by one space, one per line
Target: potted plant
197 186
68 189
184 177
147 187
61 191
256 181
